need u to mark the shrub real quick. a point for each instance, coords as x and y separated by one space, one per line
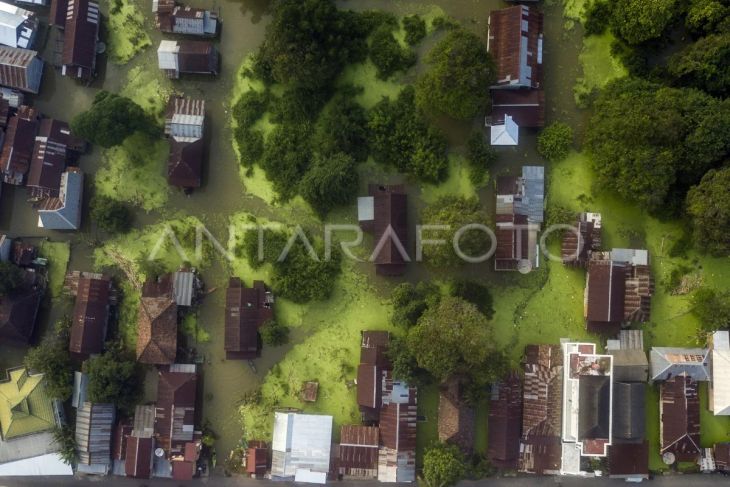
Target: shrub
555 141
250 107
250 144
415 28
342 127
387 55
443 465
274 333
110 215
598 17
330 182
712 308
481 156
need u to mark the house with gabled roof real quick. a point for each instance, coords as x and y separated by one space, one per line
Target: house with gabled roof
193 57
456 418
358 452
247 309
371 373
505 422
398 418
17 149
175 411
20 69
94 429
667 362
384 213
174 18
54 146
80 36
515 41
90 315
679 411
185 126
540 446
519 216
63 212
719 392
157 322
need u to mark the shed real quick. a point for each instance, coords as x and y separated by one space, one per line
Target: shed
505 133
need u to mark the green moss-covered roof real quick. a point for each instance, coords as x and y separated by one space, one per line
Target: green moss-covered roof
25 407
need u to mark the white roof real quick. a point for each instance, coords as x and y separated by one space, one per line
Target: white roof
44 465
365 209
720 373
11 19
301 442
631 256
167 55
307 476
506 133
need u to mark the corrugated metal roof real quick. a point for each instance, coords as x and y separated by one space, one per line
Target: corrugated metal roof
301 442
183 287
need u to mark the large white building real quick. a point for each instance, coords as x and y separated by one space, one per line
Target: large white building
18 26
301 447
720 366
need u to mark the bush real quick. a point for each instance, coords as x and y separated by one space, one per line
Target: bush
474 292
330 182
443 465
415 28
598 17
481 156
410 302
114 377
286 157
387 55
250 144
250 107
555 141
52 359
712 308
111 119
110 215
399 135
342 127
65 438
274 333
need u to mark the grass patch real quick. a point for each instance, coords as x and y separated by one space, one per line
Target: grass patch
457 184
575 9
127 31
58 255
714 429
128 309
599 66
190 327
133 173
330 354
427 432
149 89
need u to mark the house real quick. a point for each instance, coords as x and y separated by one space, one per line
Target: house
139 457
247 309
175 412
669 362
18 27
719 393
17 150
172 18
629 461
27 419
525 107
157 323
722 457
53 147
505 133
20 69
80 36
358 452
19 310
384 212
371 373
618 290
301 447
398 417
587 404
90 315
540 446
578 245
679 410
257 459
57 15
515 42
456 418
187 57
94 428
519 216
505 423
63 212
185 126
185 464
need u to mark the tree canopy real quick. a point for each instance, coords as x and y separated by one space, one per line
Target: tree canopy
331 181
443 465
637 21
650 143
415 28
114 377
342 127
410 302
474 292
456 212
51 358
712 308
111 215
111 119
460 70
704 65
399 135
387 54
708 205
555 141
274 333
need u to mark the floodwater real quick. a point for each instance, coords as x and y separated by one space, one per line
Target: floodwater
244 23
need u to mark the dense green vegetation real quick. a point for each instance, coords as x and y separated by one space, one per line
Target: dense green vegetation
274 333
330 182
111 119
443 465
51 358
708 204
555 141
65 437
387 54
712 308
460 70
114 377
415 28
704 65
474 292
481 156
410 302
111 215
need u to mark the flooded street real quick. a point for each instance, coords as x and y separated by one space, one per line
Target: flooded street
222 194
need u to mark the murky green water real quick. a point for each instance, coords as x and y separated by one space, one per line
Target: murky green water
244 23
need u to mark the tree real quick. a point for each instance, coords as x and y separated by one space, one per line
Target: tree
11 276
712 308
474 292
481 156
308 42
250 144
704 65
114 377
456 212
111 119
387 54
65 437
708 16
399 135
637 21
52 359
274 333
111 215
555 141
250 107
330 182
415 28
410 302
708 205
598 17
286 157
404 363
452 338
443 465
641 135
342 127
460 69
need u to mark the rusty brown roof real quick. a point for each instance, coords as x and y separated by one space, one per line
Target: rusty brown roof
185 163
197 57
398 421
157 326
15 67
605 292
506 31
257 458
526 107
90 316
628 460
456 418
175 410
680 418
49 158
358 450
80 37
722 456
57 15
17 150
505 422
391 217
246 310
138 463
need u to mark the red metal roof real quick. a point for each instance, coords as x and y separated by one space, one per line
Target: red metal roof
90 316
246 310
138 463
